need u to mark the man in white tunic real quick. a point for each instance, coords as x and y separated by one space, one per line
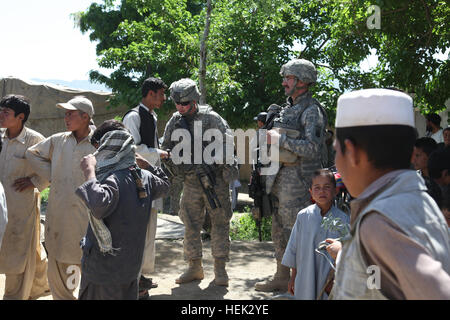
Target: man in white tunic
22 259
310 269
58 158
3 213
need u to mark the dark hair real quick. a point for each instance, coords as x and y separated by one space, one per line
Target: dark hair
106 126
153 84
445 204
434 118
446 129
18 103
325 173
387 146
426 144
438 161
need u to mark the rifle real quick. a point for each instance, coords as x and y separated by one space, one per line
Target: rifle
261 200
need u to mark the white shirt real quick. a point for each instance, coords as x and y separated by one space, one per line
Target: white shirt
3 213
438 136
132 122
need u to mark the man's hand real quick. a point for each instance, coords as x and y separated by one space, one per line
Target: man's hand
333 248
22 184
291 285
88 166
141 162
164 154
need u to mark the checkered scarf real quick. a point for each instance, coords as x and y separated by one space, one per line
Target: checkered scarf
115 152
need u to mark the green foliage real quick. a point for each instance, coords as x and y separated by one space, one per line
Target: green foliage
249 40
44 199
44 195
335 225
244 228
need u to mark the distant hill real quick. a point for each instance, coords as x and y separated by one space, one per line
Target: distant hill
76 84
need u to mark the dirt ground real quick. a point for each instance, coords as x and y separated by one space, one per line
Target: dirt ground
250 262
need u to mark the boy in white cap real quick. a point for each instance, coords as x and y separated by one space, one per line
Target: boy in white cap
58 158
399 243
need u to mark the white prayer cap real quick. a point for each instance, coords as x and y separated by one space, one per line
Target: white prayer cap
372 107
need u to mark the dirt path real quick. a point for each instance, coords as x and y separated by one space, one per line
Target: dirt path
250 262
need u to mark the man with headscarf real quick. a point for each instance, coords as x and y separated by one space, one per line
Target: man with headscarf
119 196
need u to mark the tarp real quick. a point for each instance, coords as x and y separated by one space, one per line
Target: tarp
45 117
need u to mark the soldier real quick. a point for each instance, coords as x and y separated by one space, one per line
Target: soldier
299 133
197 196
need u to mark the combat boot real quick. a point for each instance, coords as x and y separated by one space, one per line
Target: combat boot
278 283
221 276
194 272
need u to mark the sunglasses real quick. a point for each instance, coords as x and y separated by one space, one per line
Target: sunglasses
184 103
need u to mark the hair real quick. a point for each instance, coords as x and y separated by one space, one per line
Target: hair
445 204
106 126
426 144
446 129
438 161
18 103
387 146
325 173
434 118
153 84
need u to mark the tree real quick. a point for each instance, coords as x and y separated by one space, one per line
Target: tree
203 54
249 40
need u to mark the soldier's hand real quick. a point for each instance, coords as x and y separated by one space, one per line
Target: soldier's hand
273 137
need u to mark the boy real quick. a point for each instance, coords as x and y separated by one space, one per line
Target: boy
21 258
309 269
395 225
58 158
423 147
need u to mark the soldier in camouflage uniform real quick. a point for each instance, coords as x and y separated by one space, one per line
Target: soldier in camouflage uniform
299 133
194 201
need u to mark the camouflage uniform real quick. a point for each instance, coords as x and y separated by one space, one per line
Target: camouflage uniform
194 201
172 202
289 187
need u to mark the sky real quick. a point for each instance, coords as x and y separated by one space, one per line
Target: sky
39 40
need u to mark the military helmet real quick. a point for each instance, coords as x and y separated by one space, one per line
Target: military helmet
302 69
184 90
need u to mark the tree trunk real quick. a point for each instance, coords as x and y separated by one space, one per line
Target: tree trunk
203 52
